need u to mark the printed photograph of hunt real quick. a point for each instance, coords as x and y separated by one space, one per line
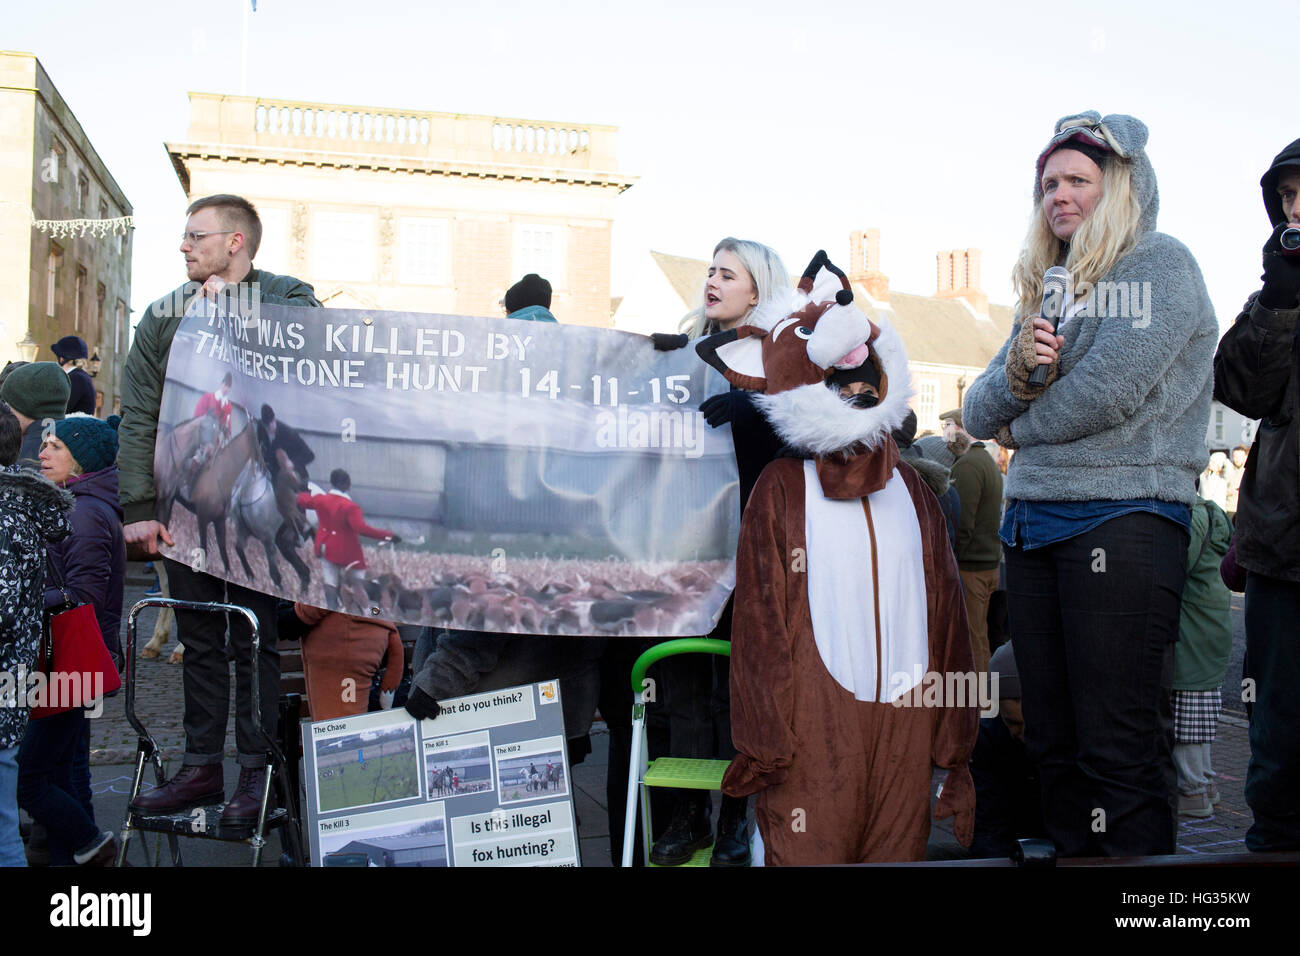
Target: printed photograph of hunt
419 843
303 460
533 772
457 766
366 768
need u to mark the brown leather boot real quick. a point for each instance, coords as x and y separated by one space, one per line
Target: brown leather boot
192 786
244 805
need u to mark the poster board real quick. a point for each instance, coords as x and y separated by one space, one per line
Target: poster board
487 783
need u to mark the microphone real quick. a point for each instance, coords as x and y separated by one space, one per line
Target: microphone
1055 280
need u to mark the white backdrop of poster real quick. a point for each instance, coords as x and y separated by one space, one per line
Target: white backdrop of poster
485 784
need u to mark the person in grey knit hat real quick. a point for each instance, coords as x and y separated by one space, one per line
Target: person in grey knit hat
35 392
1099 492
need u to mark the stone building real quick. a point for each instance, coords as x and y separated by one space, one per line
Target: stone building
410 210
950 336
65 247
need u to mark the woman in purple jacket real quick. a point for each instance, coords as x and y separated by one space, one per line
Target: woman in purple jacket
89 567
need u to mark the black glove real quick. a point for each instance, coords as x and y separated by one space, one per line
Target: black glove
1281 274
288 625
395 538
420 705
667 342
736 406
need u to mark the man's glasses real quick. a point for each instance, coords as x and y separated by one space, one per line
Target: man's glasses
193 237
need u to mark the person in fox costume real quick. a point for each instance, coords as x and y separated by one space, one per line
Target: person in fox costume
847 597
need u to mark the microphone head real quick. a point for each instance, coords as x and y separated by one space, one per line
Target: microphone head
1056 278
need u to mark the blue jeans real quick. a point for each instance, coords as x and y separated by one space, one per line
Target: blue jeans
45 784
1094 619
1273 662
11 843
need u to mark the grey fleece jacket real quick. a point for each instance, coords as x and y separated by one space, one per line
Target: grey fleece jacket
1127 416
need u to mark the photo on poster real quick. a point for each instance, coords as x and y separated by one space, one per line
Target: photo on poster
531 770
373 766
457 766
410 836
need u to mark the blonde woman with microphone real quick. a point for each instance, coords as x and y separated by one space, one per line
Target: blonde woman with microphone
1100 489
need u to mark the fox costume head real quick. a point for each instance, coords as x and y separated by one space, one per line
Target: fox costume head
830 380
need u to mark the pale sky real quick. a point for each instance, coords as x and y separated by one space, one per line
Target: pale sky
783 122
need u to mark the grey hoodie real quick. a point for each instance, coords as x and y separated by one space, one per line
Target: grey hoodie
1127 416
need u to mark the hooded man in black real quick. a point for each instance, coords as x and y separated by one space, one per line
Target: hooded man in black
1255 373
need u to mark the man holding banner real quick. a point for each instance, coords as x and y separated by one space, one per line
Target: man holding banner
221 237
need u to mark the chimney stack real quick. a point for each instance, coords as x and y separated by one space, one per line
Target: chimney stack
958 277
864 264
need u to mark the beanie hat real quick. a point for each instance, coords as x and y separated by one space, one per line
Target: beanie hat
38 391
532 289
1003 662
91 442
70 347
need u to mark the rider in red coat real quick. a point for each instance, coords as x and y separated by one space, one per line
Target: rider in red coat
218 403
338 545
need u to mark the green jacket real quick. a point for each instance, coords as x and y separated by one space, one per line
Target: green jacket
978 482
144 374
1205 621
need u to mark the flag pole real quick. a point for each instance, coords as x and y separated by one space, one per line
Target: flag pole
243 54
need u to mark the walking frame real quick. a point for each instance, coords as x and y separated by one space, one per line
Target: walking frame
193 822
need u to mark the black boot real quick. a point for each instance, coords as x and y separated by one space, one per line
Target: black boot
689 831
731 848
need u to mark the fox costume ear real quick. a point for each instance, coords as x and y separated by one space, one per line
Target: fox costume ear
738 355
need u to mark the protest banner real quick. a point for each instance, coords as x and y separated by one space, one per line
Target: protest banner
497 475
484 784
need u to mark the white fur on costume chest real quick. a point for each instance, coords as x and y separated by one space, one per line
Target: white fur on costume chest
843 584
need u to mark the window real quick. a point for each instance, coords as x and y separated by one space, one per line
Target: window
119 329
101 294
424 251
539 249
51 276
343 246
52 163
76 298
103 209
273 250
83 192
927 405
1218 424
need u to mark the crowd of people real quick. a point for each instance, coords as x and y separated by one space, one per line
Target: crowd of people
1076 538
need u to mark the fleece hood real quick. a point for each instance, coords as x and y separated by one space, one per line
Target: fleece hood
1122 136
1288 160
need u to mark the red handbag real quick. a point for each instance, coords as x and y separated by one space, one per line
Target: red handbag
74 659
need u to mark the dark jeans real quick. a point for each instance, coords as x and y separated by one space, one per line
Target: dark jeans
1273 662
1094 619
46 788
207 671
